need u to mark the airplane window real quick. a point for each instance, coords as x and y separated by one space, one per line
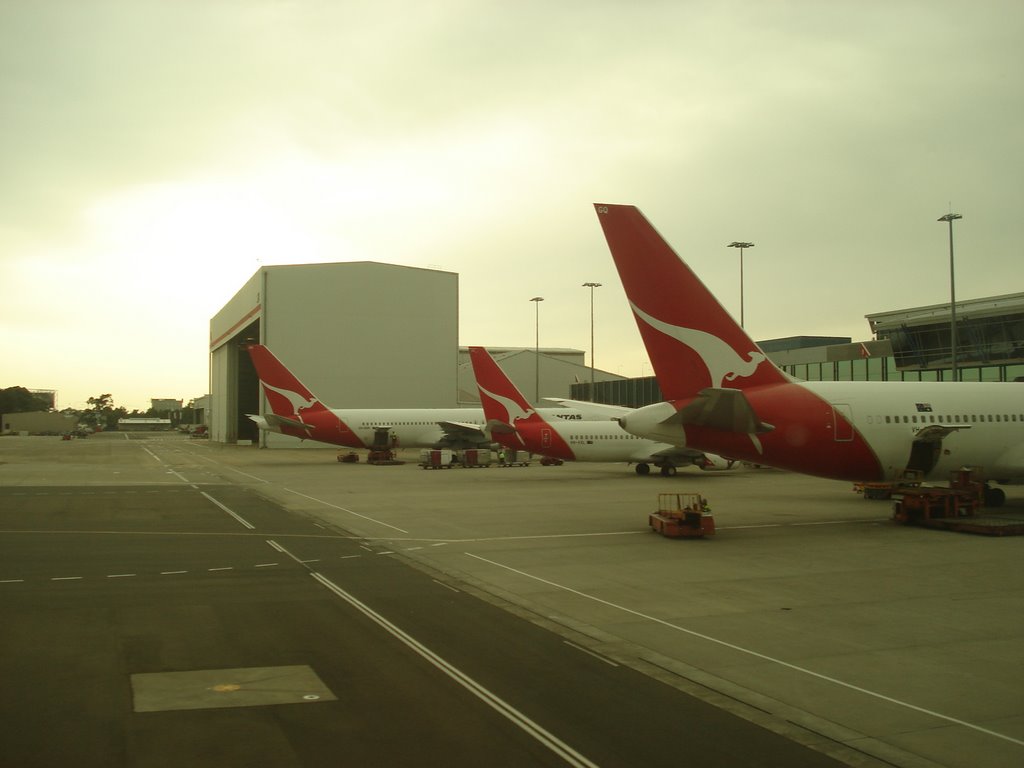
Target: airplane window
906 420
914 419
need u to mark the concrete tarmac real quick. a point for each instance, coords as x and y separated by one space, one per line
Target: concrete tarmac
809 617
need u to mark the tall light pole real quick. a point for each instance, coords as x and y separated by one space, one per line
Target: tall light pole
741 246
536 348
950 218
591 286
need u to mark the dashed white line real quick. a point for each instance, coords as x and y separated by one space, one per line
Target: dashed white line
120 575
66 578
264 565
226 568
171 573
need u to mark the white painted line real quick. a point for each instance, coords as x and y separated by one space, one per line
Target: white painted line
66 578
343 509
446 586
386 552
12 581
120 575
543 736
283 551
349 557
225 466
264 565
755 654
225 568
169 573
314 560
235 515
597 656
412 549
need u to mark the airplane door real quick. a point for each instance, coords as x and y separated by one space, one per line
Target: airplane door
545 438
842 423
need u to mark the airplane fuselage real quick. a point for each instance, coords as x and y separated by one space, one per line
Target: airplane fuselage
409 427
864 431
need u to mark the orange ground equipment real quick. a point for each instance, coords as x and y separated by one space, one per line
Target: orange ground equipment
682 515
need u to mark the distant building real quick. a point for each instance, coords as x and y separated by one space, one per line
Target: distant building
37 423
49 396
165 404
143 425
557 370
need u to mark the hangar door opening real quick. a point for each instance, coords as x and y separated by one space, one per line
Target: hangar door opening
236 387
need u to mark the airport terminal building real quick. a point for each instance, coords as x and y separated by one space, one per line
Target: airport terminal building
374 335
909 345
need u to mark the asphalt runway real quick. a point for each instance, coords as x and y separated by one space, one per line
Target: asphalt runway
163 606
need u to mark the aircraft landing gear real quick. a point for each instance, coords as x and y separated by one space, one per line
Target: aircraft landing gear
668 471
643 469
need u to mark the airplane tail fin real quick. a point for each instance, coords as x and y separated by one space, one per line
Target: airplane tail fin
692 341
287 396
501 399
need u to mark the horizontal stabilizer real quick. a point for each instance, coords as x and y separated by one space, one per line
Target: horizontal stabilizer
596 411
273 420
500 427
724 409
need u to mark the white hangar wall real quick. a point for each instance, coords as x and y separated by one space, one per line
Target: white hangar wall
357 334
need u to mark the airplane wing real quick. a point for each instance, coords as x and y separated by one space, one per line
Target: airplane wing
600 411
459 433
724 409
675 455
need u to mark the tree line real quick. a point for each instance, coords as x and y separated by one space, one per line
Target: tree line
101 413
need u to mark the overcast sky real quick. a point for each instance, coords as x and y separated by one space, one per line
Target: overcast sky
155 153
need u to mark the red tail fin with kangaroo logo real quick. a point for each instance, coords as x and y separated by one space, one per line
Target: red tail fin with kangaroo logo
503 403
286 395
692 341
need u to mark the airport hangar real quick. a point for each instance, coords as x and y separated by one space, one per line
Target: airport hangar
360 335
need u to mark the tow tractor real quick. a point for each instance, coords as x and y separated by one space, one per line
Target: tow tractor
682 515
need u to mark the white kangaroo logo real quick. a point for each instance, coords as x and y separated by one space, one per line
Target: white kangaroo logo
298 402
513 410
722 361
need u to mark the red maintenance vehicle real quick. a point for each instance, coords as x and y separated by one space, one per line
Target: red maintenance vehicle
682 515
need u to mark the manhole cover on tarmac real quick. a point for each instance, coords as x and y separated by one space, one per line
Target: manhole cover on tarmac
214 688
